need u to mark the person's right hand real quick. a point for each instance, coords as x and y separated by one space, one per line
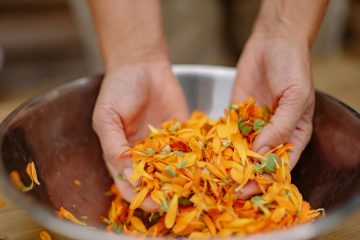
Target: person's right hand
131 97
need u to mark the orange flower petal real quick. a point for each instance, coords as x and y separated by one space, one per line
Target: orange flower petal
69 216
139 198
44 235
137 224
172 212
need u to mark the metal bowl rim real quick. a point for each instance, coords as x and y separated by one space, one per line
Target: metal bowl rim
48 219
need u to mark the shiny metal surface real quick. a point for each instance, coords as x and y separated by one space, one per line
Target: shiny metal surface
54 130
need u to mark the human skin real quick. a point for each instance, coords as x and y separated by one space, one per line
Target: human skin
275 68
140 89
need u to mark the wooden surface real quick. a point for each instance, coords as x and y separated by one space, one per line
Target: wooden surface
338 76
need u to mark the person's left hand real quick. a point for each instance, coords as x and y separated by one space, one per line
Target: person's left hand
276 70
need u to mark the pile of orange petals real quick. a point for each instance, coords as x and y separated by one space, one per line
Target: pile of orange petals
194 171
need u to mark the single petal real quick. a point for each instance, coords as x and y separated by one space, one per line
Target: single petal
172 212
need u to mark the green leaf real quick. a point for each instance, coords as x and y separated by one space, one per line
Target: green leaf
149 151
270 163
258 168
257 200
117 228
166 150
258 124
181 164
170 171
243 128
184 201
154 217
179 153
164 206
226 181
240 120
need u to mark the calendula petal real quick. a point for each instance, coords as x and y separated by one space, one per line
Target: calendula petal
172 212
31 171
253 154
138 171
238 143
216 144
209 224
69 216
16 180
44 235
199 235
137 224
278 214
215 171
184 220
238 223
139 198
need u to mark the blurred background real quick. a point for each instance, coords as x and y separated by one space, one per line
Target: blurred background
45 42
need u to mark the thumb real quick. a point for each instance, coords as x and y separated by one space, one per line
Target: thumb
291 107
107 124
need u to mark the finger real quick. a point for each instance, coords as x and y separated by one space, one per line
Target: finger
291 107
128 194
113 141
301 137
250 189
108 126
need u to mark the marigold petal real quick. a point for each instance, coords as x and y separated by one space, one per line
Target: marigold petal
69 216
16 180
45 236
184 220
240 147
139 198
172 212
210 224
137 224
138 171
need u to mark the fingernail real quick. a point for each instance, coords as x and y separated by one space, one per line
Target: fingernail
263 150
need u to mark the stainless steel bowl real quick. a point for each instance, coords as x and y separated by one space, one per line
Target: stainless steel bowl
54 130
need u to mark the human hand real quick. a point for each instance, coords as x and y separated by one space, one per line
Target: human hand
131 97
276 70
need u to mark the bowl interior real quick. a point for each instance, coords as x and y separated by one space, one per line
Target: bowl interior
54 130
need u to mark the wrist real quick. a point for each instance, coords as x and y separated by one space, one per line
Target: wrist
126 54
269 29
297 21
148 61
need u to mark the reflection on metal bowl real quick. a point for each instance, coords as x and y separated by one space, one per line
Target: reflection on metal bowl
54 130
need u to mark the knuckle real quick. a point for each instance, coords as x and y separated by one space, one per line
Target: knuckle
299 91
110 157
281 133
